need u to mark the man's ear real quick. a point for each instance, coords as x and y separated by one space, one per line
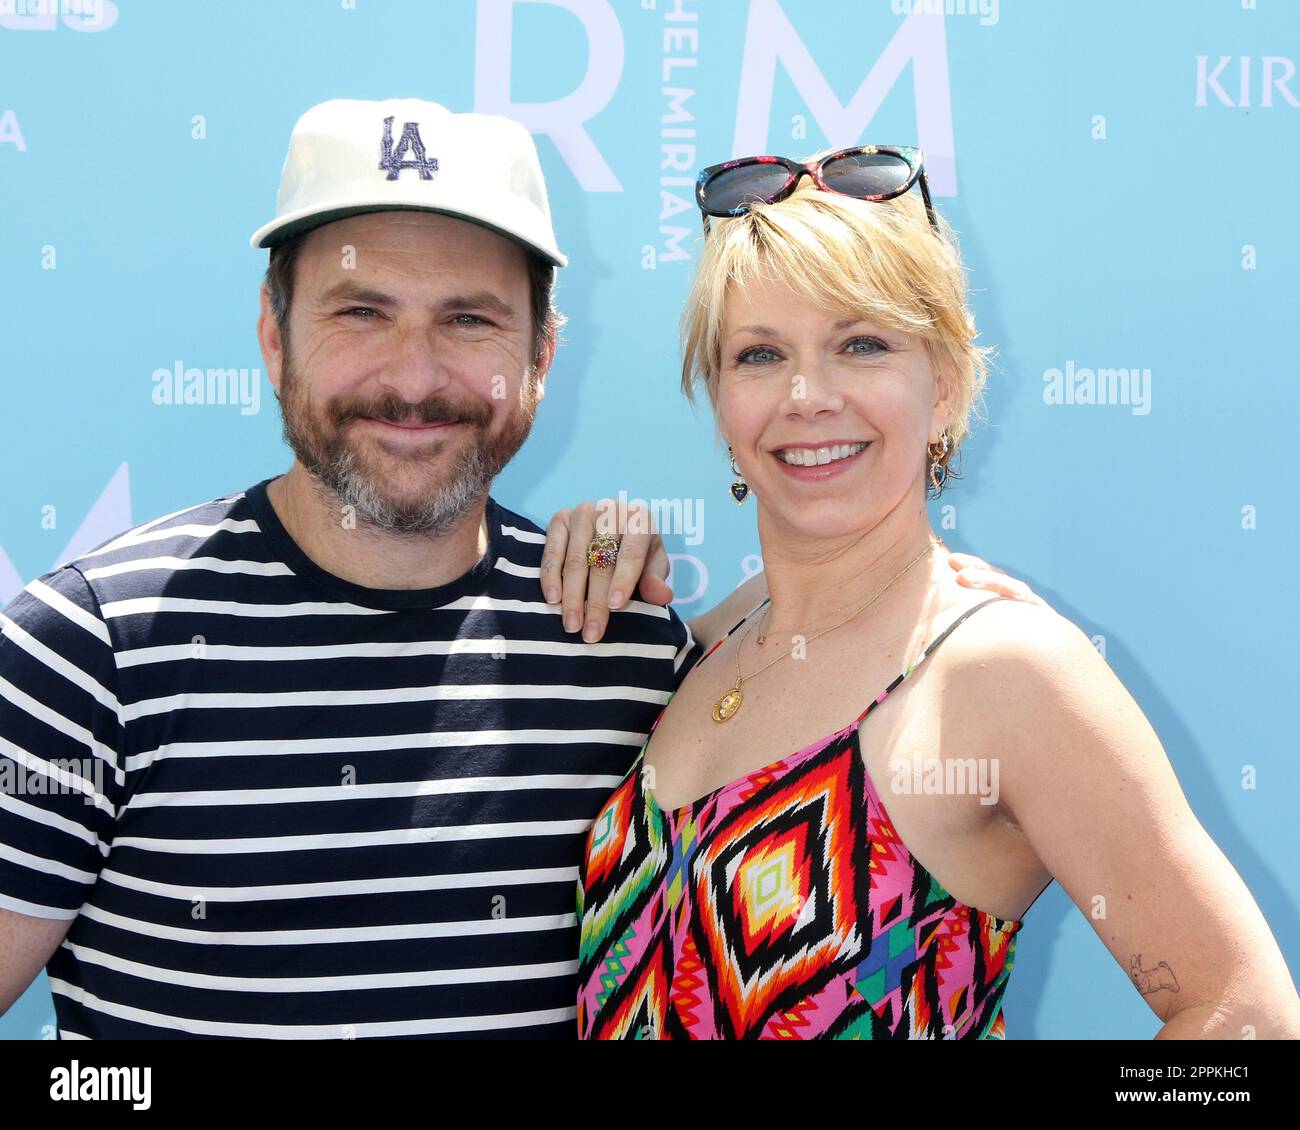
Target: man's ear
543 366
270 341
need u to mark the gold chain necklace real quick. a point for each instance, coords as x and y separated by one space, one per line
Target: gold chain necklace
728 705
935 539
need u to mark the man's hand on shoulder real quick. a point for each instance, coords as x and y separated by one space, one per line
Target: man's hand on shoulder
587 594
976 573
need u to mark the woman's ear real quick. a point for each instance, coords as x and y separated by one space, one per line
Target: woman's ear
947 389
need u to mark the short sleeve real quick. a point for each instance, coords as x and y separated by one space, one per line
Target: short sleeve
61 768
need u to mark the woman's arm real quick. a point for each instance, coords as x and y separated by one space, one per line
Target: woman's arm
1086 778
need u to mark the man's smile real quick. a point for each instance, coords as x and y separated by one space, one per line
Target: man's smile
410 427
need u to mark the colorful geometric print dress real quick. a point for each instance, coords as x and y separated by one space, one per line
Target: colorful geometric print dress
781 906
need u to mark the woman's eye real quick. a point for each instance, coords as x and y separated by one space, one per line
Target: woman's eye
875 345
755 355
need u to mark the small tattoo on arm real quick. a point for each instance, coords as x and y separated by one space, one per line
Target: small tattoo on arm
1148 981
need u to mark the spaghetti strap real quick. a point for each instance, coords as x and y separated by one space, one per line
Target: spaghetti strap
732 630
925 655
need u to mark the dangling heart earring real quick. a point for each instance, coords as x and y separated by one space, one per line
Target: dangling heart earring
740 488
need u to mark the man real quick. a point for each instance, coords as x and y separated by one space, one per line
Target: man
313 760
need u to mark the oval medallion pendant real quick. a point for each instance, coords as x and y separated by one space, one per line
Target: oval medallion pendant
727 705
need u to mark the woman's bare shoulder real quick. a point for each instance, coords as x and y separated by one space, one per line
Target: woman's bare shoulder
1027 684
1015 647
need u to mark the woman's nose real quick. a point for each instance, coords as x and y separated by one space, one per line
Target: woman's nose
812 391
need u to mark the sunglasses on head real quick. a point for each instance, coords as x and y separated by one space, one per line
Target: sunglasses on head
867 172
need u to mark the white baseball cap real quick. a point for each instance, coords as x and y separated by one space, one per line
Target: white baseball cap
347 157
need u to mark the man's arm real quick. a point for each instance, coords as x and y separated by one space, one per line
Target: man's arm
973 572
587 595
26 944
59 765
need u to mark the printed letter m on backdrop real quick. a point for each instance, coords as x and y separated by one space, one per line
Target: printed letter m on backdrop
919 40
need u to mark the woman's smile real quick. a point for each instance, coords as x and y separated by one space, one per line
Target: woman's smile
815 463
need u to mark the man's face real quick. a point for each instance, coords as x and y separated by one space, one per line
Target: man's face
405 379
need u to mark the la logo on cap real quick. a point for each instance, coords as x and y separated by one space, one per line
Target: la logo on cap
410 142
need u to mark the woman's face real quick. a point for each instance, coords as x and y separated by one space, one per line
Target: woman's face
800 386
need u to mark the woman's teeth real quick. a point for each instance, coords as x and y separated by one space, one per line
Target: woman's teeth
816 457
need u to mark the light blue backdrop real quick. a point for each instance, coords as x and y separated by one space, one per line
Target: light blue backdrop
1123 178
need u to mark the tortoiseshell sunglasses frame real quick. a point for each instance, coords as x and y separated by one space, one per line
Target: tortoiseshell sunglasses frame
913 156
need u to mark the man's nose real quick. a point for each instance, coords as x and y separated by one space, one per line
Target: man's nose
418 366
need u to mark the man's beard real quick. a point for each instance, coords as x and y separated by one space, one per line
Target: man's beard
319 439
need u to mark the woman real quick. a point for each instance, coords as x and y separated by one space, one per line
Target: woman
767 870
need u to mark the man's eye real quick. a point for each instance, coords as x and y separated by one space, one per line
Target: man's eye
752 355
473 320
360 310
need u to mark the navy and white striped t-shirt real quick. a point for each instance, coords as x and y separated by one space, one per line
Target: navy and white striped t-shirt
278 804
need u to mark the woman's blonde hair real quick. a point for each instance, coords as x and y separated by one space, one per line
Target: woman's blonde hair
880 261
